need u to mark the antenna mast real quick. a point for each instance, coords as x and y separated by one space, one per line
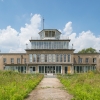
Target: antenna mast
43 23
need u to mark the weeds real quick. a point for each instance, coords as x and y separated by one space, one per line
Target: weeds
16 86
82 86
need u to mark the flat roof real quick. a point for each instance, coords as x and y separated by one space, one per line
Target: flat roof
49 30
50 49
50 40
12 53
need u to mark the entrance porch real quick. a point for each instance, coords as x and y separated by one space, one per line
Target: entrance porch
50 69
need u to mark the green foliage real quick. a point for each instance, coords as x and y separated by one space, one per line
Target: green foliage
88 50
82 86
16 86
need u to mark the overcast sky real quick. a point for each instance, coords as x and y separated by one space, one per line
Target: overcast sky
22 19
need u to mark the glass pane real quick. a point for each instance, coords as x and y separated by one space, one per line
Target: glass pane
46 33
53 33
30 57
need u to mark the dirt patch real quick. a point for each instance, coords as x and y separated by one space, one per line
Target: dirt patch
49 89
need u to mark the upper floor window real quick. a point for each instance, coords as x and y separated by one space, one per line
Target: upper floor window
61 57
94 60
57 58
38 57
4 60
46 34
49 33
45 58
34 58
80 60
87 60
18 60
64 57
24 60
30 57
69 58
12 60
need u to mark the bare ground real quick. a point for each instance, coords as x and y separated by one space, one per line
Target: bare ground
49 89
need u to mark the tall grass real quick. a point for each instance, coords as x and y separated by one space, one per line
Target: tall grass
16 86
82 86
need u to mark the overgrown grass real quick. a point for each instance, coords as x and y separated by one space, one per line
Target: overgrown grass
16 86
82 86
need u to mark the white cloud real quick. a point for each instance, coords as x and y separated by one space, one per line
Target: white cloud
82 40
15 41
68 28
8 37
30 30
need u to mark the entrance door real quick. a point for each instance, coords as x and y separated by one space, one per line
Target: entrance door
49 69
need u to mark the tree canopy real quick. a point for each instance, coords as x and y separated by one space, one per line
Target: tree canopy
88 50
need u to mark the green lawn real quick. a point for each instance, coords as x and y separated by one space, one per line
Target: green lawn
16 86
82 86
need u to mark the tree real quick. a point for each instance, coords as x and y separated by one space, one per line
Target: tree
88 50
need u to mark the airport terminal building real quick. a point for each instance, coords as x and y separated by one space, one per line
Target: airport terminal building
50 54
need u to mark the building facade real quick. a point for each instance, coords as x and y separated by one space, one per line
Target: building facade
50 54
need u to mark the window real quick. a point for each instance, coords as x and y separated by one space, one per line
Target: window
94 60
38 57
50 57
24 60
65 45
50 35
18 60
4 60
30 57
41 69
61 58
53 56
46 33
42 57
79 59
44 45
12 60
68 58
53 33
57 58
45 58
64 57
87 60
49 45
34 58
58 69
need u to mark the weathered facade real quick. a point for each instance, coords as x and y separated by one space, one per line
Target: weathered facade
50 54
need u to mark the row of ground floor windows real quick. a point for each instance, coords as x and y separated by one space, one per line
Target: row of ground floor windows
82 69
51 69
